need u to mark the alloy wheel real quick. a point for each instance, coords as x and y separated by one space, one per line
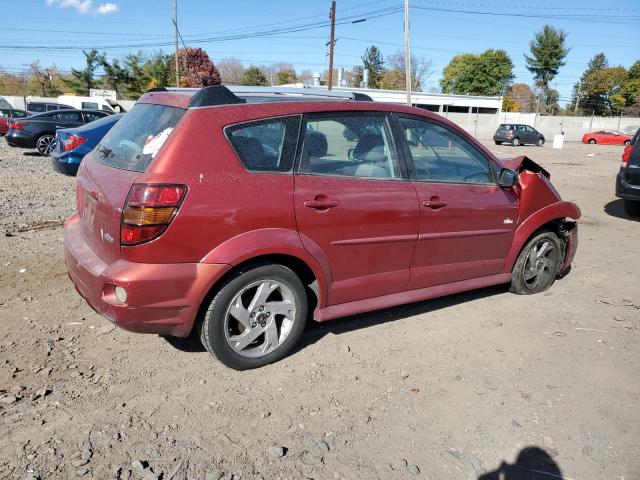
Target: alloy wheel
260 318
541 265
46 144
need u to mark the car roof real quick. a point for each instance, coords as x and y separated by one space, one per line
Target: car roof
221 95
68 110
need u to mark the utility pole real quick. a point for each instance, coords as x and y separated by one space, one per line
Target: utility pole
331 43
575 110
175 29
407 52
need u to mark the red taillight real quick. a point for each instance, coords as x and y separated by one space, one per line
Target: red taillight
72 142
18 125
148 211
626 155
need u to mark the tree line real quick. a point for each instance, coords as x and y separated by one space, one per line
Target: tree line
601 90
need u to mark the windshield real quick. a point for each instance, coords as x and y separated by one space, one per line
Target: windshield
136 139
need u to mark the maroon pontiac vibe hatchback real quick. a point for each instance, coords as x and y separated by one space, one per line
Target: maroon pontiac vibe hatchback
244 212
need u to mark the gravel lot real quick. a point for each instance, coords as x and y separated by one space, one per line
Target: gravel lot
454 388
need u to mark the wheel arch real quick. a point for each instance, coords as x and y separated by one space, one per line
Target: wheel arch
553 217
278 246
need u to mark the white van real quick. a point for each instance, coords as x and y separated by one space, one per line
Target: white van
91 103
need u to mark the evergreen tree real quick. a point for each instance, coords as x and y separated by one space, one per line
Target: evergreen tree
84 80
254 76
548 51
372 60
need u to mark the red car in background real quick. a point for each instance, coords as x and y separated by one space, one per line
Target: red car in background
243 216
607 137
6 114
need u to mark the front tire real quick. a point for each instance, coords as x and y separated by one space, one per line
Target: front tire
540 142
46 144
627 143
537 265
592 141
256 318
632 208
515 142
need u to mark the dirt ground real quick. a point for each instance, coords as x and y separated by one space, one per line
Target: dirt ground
455 388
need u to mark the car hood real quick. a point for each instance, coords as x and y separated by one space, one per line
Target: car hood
522 163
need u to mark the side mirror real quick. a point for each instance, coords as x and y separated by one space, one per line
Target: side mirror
507 178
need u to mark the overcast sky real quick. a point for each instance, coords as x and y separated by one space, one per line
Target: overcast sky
55 31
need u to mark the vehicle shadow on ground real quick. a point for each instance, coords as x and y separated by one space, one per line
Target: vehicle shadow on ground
315 331
533 463
32 154
615 208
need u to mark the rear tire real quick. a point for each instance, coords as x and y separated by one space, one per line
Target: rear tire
256 318
632 208
592 141
515 142
537 265
497 142
46 144
627 143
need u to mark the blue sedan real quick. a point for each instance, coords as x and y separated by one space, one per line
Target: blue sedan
72 144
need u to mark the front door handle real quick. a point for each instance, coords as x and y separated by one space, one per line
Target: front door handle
434 203
320 203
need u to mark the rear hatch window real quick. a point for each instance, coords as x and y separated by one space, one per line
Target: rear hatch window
136 139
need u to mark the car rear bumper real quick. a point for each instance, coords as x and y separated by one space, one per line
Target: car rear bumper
161 298
626 190
20 140
66 164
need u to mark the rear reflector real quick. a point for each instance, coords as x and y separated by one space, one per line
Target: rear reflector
626 155
72 142
148 211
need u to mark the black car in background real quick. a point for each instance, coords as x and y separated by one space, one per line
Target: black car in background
39 131
518 134
628 179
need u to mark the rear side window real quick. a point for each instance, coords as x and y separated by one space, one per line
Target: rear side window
266 145
67 117
91 116
90 105
138 136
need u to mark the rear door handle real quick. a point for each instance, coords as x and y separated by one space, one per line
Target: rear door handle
320 204
434 203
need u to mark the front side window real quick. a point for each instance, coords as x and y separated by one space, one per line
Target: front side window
349 146
36 107
265 145
440 155
530 130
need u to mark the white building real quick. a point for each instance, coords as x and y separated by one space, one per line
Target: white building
435 102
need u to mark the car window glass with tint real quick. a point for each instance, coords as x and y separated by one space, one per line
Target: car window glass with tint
90 117
440 155
35 107
530 130
18 114
352 146
138 136
266 145
66 117
90 105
